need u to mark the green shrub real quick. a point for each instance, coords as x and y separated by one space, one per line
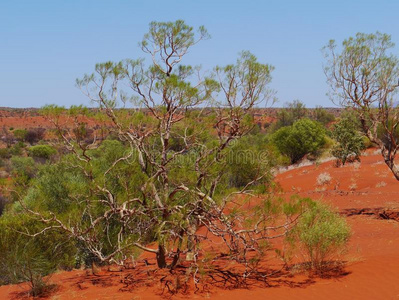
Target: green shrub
42 151
28 259
23 170
17 149
321 234
292 112
303 137
249 159
23 166
5 153
20 134
349 140
322 116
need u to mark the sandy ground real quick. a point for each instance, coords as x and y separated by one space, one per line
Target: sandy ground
371 272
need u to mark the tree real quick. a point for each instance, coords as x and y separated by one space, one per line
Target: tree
292 112
363 75
303 137
166 175
322 116
350 141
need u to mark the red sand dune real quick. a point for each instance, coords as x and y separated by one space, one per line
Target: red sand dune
372 270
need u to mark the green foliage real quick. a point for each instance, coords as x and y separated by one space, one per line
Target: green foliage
303 137
64 190
24 258
322 116
349 140
20 134
42 151
17 149
23 166
391 136
296 110
23 171
321 234
248 160
5 153
292 112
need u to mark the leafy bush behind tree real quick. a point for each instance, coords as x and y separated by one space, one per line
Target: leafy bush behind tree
350 142
303 137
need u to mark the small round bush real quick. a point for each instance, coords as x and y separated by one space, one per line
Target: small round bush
42 151
303 137
321 234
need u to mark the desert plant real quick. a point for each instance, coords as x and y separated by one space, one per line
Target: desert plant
17 149
323 178
5 153
322 116
363 75
321 234
29 259
289 114
349 141
41 151
248 158
23 166
20 134
167 171
303 137
35 135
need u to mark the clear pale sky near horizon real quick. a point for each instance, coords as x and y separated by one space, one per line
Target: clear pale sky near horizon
46 44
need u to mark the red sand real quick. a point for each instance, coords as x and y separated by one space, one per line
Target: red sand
372 270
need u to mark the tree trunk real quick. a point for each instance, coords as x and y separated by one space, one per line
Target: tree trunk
161 258
389 161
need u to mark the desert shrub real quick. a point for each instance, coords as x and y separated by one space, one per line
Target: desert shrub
42 151
35 135
20 134
57 185
28 259
23 166
350 142
323 178
5 153
303 137
322 116
321 234
292 112
248 160
17 149
23 170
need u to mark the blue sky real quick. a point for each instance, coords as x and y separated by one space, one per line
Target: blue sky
46 45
